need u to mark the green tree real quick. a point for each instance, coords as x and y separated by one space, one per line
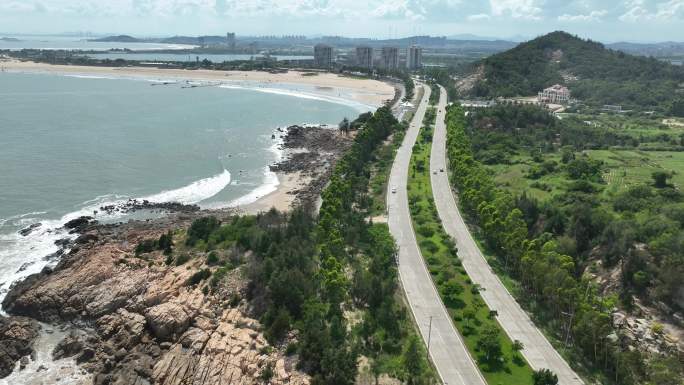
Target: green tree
344 126
490 343
660 178
544 377
412 361
280 326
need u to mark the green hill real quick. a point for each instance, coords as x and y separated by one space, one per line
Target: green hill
595 75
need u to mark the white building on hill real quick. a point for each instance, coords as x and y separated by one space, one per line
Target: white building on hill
556 94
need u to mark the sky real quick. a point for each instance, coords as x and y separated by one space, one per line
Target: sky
604 20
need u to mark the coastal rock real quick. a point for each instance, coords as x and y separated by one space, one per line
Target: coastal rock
78 224
148 325
70 346
17 336
123 328
167 319
26 231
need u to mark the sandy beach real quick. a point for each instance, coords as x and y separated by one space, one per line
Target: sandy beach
282 198
364 91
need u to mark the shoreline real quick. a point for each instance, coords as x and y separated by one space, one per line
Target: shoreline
335 88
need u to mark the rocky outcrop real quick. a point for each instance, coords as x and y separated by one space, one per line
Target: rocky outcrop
145 324
17 335
313 151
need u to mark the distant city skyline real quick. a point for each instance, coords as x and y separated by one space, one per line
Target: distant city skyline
608 20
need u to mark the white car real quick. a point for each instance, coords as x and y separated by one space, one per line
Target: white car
394 189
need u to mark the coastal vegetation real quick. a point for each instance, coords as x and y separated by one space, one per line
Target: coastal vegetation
595 75
497 356
556 205
326 286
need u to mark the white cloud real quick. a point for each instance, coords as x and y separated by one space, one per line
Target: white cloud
592 16
479 17
518 9
638 10
397 9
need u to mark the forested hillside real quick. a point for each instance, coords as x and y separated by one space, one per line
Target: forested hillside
595 75
587 217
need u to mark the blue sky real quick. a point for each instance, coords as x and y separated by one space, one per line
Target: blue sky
607 20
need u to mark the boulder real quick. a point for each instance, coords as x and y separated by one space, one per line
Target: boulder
167 319
70 346
78 224
27 230
17 336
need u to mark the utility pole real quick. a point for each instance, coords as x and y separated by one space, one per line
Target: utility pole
429 337
567 332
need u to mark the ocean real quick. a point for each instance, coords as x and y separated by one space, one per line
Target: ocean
54 42
70 144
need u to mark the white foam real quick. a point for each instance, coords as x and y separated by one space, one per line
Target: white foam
269 184
43 370
195 192
299 94
78 76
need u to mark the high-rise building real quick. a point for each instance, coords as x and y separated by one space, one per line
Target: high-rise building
323 56
389 58
364 57
414 57
230 40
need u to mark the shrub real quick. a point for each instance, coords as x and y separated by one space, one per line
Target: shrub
199 277
429 245
181 259
212 259
165 243
145 246
267 373
426 231
280 326
201 229
291 348
218 276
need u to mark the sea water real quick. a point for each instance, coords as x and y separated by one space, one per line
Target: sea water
70 144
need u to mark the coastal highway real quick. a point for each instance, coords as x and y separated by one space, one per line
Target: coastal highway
538 351
454 364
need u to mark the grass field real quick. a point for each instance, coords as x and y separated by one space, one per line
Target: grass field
461 297
628 168
513 177
622 169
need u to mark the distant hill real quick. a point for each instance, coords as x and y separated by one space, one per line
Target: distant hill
193 40
596 75
12 39
663 49
118 39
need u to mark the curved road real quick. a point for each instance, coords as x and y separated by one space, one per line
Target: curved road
538 351
449 355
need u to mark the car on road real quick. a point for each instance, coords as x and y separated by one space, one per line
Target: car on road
441 170
394 189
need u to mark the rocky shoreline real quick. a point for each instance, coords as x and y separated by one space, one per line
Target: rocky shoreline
155 317
312 151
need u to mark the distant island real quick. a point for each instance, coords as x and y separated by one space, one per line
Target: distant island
118 39
9 39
